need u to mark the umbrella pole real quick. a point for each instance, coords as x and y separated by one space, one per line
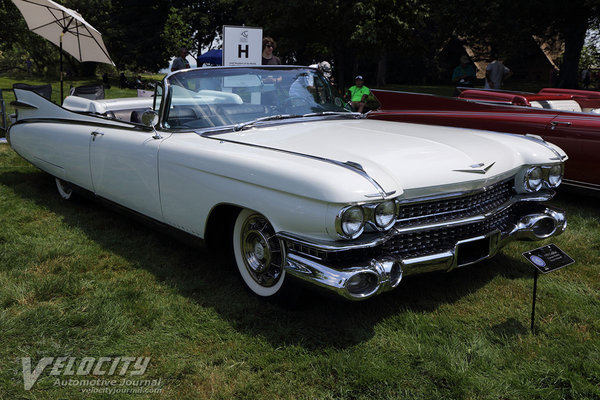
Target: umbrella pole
61 70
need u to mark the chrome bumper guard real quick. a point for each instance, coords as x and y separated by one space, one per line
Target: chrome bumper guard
382 274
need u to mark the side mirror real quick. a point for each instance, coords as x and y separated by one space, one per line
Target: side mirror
150 118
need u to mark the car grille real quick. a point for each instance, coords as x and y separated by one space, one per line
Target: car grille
431 241
438 211
426 241
437 240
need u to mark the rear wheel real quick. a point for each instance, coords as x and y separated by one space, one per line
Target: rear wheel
65 190
259 255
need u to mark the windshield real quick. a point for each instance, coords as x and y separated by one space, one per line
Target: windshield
213 97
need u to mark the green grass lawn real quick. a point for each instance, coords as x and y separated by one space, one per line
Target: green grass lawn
81 280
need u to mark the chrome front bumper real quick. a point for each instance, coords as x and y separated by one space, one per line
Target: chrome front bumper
384 272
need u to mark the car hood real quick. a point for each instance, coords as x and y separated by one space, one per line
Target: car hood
401 157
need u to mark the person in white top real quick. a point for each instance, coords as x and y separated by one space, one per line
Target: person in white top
495 73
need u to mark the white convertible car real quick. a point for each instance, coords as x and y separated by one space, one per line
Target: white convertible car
268 160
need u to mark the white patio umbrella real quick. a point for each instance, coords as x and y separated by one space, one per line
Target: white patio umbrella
65 28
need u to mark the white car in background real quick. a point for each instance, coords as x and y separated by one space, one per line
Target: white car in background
295 184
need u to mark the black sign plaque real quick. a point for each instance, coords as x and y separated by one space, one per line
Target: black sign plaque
548 258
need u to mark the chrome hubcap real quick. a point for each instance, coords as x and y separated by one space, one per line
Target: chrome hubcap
261 250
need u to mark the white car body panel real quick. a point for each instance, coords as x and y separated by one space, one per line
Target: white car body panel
403 157
124 168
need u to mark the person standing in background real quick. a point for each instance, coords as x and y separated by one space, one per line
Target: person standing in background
495 73
586 78
463 75
269 45
180 62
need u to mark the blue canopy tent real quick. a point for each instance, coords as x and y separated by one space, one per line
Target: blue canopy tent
211 57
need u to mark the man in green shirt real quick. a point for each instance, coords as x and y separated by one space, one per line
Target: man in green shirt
358 94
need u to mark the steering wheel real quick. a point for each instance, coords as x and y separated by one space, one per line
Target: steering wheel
288 103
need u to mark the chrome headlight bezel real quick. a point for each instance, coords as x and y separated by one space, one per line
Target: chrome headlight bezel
342 224
384 214
534 178
378 216
555 175
533 183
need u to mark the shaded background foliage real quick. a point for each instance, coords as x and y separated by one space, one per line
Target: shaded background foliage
410 41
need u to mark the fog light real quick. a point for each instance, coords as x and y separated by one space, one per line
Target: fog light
544 228
362 284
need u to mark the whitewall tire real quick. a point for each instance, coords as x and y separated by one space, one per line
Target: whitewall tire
65 190
258 253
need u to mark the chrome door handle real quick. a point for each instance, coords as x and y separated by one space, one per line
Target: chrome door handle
559 123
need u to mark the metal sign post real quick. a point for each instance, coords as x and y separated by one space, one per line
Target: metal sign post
535 279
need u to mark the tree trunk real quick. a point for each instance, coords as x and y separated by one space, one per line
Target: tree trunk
382 69
574 41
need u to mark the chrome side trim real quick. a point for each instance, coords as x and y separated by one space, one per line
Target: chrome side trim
22 105
335 246
581 185
545 144
349 165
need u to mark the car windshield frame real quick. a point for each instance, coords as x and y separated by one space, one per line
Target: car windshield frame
232 98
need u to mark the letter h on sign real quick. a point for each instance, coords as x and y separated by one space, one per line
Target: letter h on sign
242 50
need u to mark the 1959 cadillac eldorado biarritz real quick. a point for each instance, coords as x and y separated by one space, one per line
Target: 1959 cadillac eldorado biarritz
268 160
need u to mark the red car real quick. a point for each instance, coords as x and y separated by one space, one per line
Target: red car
577 133
549 98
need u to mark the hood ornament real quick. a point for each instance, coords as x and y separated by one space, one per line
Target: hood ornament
480 168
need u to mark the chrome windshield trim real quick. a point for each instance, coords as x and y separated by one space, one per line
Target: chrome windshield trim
265 121
251 123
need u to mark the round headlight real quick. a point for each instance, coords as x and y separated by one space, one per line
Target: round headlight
353 222
385 214
533 179
555 175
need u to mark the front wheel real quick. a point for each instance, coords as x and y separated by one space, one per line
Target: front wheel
258 253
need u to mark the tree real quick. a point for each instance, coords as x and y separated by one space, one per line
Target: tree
571 22
131 29
18 44
204 20
386 25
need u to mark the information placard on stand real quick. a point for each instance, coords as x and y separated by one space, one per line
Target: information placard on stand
545 260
